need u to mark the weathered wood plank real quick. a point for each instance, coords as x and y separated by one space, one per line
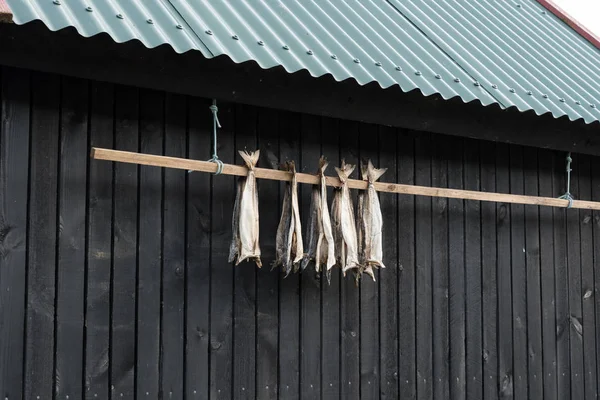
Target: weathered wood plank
72 239
489 271
350 294
388 279
533 268
150 233
423 283
456 302
587 281
439 221
289 288
545 182
125 233
42 232
99 253
15 109
505 321
198 255
244 280
406 270
473 283
330 294
519 277
310 281
575 316
563 360
173 267
267 282
222 273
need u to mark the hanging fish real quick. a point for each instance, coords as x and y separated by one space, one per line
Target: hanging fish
289 247
372 221
348 226
321 243
248 224
235 245
336 224
362 230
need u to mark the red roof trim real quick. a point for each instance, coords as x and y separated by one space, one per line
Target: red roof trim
5 13
572 22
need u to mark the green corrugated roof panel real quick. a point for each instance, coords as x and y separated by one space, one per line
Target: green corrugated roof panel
508 53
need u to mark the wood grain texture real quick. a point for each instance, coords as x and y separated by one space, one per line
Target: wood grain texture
42 232
14 172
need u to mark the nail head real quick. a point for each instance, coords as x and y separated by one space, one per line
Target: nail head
149 21
593 105
378 64
235 37
89 9
494 86
529 92
398 68
438 76
476 83
334 56
120 16
561 100
261 43
57 2
545 96
512 90
208 32
309 52
578 102
418 73
356 60
286 47
456 80
179 26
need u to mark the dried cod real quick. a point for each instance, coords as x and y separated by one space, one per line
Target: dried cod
320 233
346 220
289 248
370 222
245 230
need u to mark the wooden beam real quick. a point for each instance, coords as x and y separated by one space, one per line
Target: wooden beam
263 173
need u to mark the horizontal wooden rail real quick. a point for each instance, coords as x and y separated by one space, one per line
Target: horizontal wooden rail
263 173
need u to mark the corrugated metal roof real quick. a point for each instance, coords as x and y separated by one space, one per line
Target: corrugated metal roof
511 54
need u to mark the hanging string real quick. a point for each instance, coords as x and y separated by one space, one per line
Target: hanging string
567 195
216 124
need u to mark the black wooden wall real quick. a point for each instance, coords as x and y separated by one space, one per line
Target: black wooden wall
114 281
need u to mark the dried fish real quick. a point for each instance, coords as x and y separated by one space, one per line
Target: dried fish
373 221
249 248
321 243
234 247
289 249
348 226
362 230
336 223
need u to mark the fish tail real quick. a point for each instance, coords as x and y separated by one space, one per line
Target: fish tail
345 170
364 169
250 158
322 165
374 173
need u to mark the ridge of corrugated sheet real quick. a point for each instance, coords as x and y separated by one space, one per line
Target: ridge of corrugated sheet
505 53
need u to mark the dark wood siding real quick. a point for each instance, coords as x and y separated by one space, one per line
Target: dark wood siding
114 281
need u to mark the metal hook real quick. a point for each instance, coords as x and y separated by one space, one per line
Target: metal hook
568 196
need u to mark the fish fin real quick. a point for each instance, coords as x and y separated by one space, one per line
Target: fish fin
374 173
369 271
345 171
323 163
250 158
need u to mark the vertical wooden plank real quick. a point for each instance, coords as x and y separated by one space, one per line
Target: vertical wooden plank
123 301
439 221
575 294
473 317
388 296
424 312
267 281
289 288
595 196
456 272
532 262
505 321
587 282
310 281
546 167
489 266
244 281
221 290
369 291
350 294
406 266
563 364
72 238
14 175
99 253
173 273
330 295
519 276
198 254
42 232
150 230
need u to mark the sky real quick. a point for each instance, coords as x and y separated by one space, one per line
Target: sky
586 12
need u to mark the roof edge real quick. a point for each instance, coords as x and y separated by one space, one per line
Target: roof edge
570 21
